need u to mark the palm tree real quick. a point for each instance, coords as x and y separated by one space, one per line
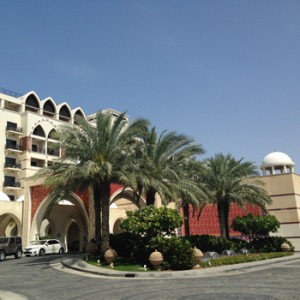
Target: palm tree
94 156
233 181
161 169
193 192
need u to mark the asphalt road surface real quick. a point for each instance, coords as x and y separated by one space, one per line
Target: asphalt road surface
40 278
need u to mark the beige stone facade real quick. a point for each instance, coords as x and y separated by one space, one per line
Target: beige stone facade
27 124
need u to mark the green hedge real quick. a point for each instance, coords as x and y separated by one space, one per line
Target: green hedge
260 245
229 260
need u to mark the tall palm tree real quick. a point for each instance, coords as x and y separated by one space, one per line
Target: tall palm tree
193 192
161 169
94 156
233 181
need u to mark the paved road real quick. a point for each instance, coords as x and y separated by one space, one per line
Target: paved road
40 278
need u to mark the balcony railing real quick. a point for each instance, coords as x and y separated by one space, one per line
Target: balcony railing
14 128
54 152
38 150
12 166
14 147
15 184
10 93
64 118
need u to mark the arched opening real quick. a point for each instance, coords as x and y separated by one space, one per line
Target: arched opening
53 135
117 229
121 201
49 109
38 130
73 237
64 114
53 147
32 103
60 217
77 116
9 225
46 230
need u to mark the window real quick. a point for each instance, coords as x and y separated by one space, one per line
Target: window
11 144
11 126
10 162
9 181
39 131
33 163
32 103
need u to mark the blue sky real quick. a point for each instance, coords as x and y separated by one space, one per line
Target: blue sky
226 73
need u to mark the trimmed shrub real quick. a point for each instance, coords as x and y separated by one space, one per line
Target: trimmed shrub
128 245
256 226
269 244
229 260
177 252
150 221
210 243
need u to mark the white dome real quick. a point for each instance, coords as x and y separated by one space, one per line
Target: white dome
4 197
277 159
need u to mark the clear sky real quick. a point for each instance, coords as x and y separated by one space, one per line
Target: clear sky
226 73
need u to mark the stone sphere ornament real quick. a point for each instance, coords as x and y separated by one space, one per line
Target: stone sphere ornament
198 255
285 247
110 255
156 259
91 249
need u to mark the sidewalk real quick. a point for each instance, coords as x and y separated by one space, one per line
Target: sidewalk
80 265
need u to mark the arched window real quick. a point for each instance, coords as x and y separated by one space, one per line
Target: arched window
32 103
39 131
48 109
53 135
77 115
64 114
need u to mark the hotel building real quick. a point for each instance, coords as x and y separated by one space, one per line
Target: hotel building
27 124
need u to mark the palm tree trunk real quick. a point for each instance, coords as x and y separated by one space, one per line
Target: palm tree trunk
226 217
221 217
97 208
186 215
105 194
150 197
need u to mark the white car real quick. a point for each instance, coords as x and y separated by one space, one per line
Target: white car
43 247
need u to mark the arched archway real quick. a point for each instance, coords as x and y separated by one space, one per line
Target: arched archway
116 228
60 217
120 202
72 236
10 225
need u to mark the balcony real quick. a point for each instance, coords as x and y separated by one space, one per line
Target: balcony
14 130
13 185
35 149
12 166
13 148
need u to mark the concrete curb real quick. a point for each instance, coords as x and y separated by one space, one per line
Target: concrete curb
80 265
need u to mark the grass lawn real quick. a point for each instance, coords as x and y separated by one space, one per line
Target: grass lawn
120 264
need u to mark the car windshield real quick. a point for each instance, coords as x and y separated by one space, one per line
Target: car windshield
37 243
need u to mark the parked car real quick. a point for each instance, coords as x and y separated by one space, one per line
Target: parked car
10 246
43 247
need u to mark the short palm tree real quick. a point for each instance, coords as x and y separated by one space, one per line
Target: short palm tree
233 181
161 169
94 156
